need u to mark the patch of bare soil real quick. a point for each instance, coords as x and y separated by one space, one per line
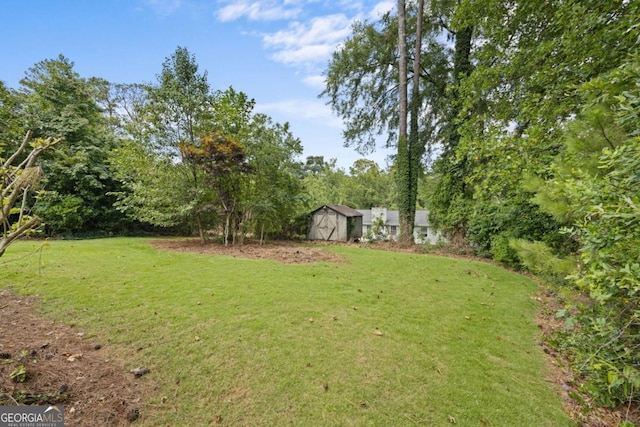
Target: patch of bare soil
53 364
285 252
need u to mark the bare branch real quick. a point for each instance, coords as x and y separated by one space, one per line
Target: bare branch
19 151
16 182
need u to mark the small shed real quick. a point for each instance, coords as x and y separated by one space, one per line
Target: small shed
335 223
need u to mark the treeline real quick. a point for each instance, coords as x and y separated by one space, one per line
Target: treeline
174 156
533 111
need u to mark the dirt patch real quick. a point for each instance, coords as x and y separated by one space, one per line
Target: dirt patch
284 252
53 364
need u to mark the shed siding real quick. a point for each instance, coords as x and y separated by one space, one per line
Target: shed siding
332 223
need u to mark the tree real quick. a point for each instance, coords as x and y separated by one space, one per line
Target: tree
274 191
154 188
452 196
404 151
12 128
327 186
224 163
369 186
17 180
314 165
180 110
529 64
593 189
606 348
57 102
363 88
411 168
193 156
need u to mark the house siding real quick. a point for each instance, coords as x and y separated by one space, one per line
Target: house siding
423 232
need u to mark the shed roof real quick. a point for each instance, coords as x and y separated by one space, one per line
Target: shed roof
341 209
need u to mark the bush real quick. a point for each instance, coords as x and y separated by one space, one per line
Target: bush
502 252
540 259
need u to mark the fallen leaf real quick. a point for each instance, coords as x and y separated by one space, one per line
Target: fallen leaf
378 332
452 420
74 357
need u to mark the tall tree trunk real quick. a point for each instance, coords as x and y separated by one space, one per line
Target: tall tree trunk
203 238
403 160
415 149
227 225
451 191
402 64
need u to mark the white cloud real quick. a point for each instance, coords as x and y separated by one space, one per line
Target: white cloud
310 31
308 44
304 55
329 28
258 10
381 8
313 110
315 81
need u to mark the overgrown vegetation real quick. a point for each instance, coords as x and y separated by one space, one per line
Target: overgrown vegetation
600 203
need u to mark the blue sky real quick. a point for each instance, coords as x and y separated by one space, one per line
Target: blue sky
273 50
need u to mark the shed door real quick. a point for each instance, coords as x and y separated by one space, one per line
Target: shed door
326 223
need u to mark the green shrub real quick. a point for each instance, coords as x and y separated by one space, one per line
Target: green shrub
502 252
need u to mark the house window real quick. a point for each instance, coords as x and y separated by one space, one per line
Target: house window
393 230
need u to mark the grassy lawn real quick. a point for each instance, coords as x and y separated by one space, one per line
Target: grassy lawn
259 343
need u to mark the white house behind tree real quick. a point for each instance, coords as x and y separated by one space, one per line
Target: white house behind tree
382 223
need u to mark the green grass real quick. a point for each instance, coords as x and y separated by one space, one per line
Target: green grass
459 337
